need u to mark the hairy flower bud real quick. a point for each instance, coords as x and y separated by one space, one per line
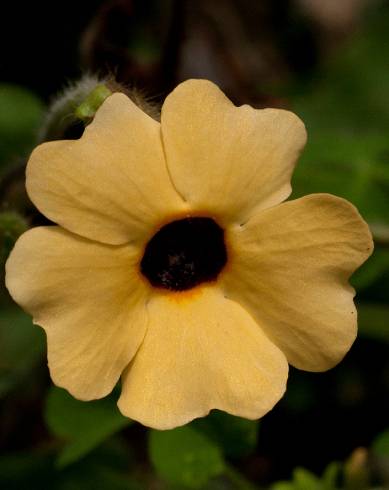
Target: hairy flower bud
77 104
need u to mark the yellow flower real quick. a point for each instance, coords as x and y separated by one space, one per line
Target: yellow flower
174 264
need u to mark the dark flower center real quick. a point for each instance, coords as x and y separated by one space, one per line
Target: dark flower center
185 253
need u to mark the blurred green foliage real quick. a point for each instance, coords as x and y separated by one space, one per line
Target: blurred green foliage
346 111
305 480
22 347
107 468
381 444
235 436
185 457
82 425
20 117
373 321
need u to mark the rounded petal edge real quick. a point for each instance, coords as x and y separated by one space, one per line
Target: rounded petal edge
111 185
232 161
291 266
86 297
211 355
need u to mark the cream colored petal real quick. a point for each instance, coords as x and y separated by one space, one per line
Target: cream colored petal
201 351
289 267
88 299
112 184
228 160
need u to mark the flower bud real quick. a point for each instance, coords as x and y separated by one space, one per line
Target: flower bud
62 121
76 106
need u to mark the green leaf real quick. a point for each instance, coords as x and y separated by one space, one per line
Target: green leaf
21 113
305 480
330 476
22 347
185 457
237 437
83 425
381 444
283 485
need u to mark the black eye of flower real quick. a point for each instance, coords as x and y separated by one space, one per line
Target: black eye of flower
185 253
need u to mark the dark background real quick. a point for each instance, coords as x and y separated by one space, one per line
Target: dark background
327 61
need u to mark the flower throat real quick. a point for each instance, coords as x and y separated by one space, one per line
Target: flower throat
185 253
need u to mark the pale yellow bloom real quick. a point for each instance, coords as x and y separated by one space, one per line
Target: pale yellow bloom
282 296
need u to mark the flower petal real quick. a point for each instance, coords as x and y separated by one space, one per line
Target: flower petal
111 185
229 160
289 267
201 351
87 298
